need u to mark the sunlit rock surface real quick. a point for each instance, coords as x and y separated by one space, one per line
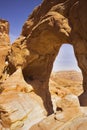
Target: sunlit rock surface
4 48
26 66
50 25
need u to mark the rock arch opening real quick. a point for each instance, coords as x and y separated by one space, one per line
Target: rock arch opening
65 59
66 76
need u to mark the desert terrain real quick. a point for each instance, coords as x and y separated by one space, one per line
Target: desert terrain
32 97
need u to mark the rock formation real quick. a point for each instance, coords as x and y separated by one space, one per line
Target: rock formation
31 58
71 118
21 108
4 48
50 25
4 32
19 111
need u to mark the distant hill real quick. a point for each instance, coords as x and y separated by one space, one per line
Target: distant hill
65 82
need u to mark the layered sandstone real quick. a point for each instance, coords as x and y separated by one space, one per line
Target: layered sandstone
50 25
72 118
20 107
19 111
4 32
4 48
26 67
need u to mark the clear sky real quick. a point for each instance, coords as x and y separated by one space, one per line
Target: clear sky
16 12
65 59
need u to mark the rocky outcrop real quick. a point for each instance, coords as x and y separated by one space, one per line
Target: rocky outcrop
50 25
4 48
19 110
31 59
4 32
71 117
59 121
20 107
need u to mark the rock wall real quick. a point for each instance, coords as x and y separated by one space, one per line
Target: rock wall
73 117
4 32
26 66
4 48
50 25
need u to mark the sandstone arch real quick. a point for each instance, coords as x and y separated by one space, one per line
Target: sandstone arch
50 25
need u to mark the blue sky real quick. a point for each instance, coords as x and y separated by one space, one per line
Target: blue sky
16 12
65 59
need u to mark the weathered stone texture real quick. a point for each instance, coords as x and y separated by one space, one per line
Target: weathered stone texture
4 47
4 32
50 25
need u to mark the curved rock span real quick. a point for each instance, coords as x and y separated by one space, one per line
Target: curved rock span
31 56
50 25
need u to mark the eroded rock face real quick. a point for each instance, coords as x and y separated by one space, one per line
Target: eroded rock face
50 25
19 110
4 32
73 119
20 107
30 59
4 48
